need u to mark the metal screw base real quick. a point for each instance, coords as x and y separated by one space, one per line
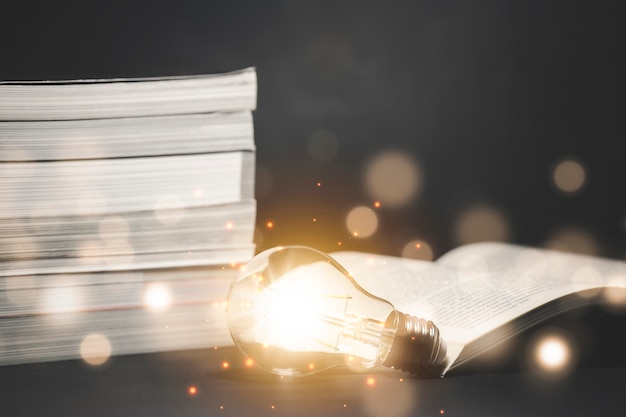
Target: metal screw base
417 347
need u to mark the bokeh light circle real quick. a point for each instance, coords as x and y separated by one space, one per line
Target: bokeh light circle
157 297
552 353
388 398
569 176
482 223
362 222
95 349
614 294
418 249
573 239
169 209
393 178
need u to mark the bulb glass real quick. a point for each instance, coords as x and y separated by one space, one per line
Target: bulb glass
295 311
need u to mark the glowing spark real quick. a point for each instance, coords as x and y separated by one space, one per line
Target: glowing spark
338 243
225 365
311 366
370 381
377 204
192 390
273 406
269 224
249 362
314 219
319 184
221 407
442 411
230 226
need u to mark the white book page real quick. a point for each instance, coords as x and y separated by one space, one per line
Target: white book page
467 299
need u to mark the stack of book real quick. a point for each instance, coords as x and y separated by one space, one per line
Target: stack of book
125 206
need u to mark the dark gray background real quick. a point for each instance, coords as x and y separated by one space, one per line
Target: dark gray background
485 95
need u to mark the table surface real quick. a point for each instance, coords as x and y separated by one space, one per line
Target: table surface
158 384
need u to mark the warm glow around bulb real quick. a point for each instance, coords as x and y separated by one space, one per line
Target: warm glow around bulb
292 307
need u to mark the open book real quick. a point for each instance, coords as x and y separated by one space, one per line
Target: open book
482 294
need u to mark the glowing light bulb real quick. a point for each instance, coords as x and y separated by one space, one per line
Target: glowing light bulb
295 311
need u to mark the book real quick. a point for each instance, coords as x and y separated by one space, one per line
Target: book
32 245
127 97
111 189
46 317
126 137
51 337
482 294
108 186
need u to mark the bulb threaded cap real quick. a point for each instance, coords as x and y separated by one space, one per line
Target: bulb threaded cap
417 347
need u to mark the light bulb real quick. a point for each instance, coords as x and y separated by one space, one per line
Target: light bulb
295 311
